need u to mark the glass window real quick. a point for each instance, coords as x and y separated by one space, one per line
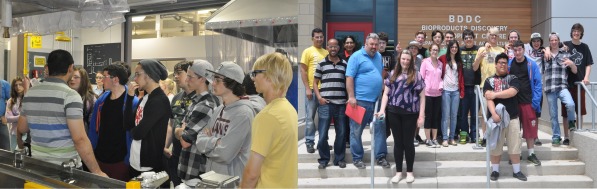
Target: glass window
385 18
351 6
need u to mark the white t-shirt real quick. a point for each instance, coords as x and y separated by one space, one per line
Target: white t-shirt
451 78
135 158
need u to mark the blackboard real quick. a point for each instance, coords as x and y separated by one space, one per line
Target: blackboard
98 56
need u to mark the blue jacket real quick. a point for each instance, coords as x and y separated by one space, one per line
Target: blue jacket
94 122
536 83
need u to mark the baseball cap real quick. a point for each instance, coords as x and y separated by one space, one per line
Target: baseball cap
535 36
230 70
200 68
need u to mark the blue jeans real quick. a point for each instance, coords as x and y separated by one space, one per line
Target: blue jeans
326 113
450 102
310 110
356 131
467 104
381 137
552 99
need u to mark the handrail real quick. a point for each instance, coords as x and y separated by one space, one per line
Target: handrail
579 121
481 100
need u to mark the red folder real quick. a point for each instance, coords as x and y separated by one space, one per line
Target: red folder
356 114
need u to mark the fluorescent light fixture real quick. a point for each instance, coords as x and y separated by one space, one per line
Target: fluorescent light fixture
205 11
149 2
138 18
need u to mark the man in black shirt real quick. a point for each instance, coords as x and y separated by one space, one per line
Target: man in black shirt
502 88
529 98
108 136
471 77
179 104
389 62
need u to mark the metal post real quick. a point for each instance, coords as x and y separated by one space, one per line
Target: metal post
477 146
372 131
579 113
592 110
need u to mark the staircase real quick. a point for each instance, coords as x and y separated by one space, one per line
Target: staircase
448 167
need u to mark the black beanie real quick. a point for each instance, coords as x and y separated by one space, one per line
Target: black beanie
154 69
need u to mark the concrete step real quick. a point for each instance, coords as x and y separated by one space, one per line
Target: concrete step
452 153
505 181
443 168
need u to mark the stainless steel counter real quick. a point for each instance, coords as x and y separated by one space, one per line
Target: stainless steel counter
48 174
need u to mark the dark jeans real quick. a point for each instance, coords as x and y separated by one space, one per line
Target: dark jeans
172 168
403 128
467 104
326 113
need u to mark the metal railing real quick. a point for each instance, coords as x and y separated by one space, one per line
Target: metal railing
579 120
481 101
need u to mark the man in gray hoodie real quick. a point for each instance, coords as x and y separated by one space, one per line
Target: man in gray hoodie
226 140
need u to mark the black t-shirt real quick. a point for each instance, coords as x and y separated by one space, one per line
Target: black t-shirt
521 71
179 104
502 83
471 77
422 52
111 145
389 60
581 56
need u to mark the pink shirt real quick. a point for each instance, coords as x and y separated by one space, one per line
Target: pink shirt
433 77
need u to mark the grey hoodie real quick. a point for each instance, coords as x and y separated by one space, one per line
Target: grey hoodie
257 101
231 125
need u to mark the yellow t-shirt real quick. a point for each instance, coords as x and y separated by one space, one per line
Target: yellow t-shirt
275 137
487 64
311 57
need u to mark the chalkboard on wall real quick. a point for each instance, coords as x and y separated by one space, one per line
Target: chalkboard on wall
98 56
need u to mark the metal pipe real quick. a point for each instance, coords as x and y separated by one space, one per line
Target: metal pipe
372 131
479 100
590 96
592 111
578 113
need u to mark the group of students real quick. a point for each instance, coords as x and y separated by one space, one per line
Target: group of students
434 88
212 124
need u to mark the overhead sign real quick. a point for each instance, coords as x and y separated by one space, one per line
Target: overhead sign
35 42
459 15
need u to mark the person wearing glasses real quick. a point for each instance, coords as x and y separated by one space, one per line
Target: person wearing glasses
309 59
500 90
198 114
485 61
99 84
364 85
332 104
471 76
110 142
226 139
148 128
179 105
273 162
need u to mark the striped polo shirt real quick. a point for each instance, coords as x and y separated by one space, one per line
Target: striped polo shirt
47 107
333 80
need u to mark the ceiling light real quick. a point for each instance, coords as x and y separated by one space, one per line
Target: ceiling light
205 11
138 18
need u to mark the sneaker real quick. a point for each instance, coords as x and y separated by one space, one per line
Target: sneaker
533 159
420 139
520 176
572 125
435 144
453 143
555 142
410 178
430 144
538 142
397 178
484 143
321 166
310 148
359 164
566 142
445 143
494 176
383 163
416 142
342 164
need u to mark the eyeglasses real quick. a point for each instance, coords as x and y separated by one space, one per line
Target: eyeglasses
137 74
255 72
468 38
99 77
